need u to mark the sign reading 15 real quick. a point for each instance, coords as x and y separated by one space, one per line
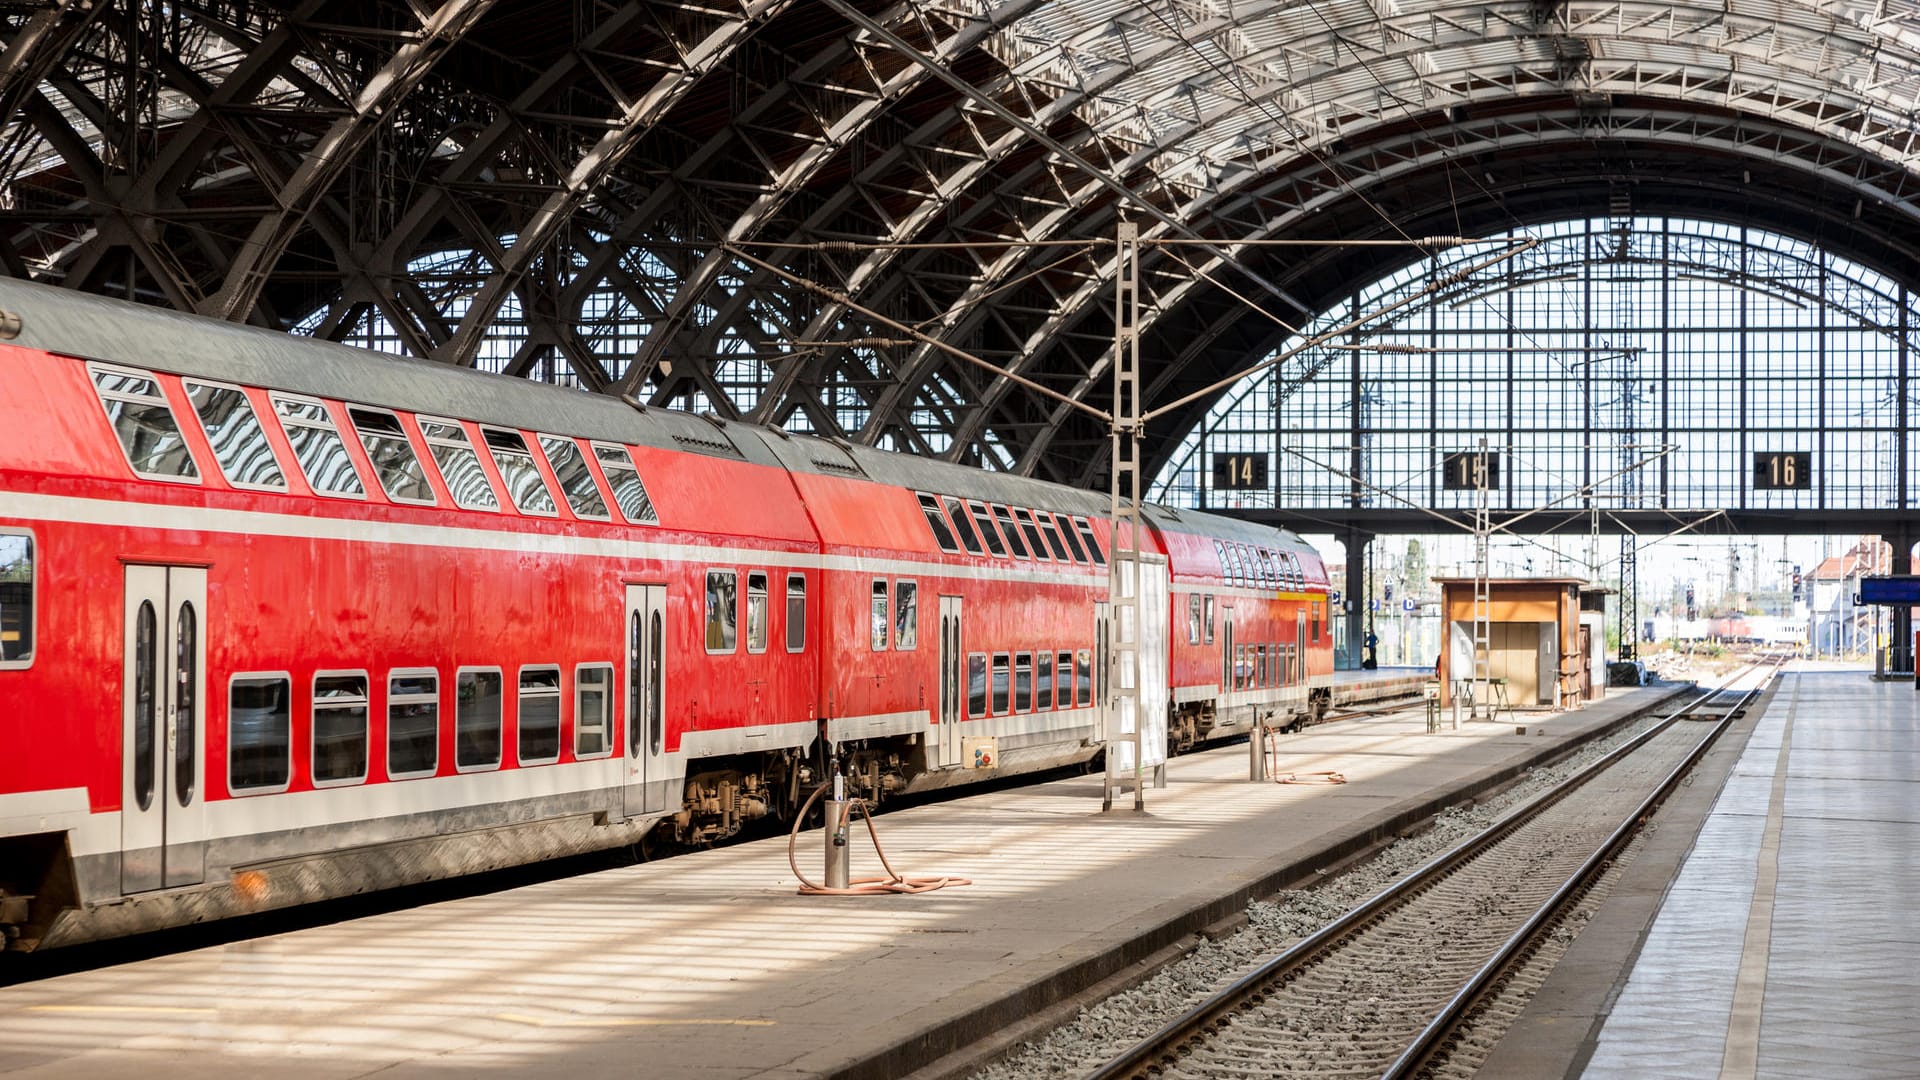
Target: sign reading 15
1240 472
1783 470
1460 471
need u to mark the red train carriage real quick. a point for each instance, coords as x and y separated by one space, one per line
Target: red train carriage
281 619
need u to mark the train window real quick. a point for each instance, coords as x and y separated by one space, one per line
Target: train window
524 484
1083 678
1023 682
1001 670
1063 680
1043 681
186 707
906 614
17 583
259 733
1073 542
459 465
988 533
976 685
1206 621
339 728
1193 618
395 464
1052 533
1239 667
757 611
963 526
937 521
146 700
233 430
413 723
1262 675
877 624
476 719
1034 541
1242 572
539 725
624 480
1085 529
576 479
317 446
723 610
1014 543
138 411
592 709
796 612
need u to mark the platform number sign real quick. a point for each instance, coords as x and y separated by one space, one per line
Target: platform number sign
1783 470
1459 471
1240 472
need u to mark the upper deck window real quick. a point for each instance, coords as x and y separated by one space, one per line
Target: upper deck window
317 446
515 462
576 479
234 431
1032 530
1052 532
139 413
942 532
397 467
16 599
963 526
1085 529
1014 543
624 479
459 465
1073 542
987 532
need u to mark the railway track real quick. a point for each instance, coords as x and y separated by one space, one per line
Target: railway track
1384 990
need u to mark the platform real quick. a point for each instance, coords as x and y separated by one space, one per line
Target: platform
709 965
1787 944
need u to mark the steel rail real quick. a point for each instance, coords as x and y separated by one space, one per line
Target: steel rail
1150 1055
1455 1010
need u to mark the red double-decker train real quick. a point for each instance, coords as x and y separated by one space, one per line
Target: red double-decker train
282 620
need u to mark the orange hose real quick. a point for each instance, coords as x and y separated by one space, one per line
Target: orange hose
893 882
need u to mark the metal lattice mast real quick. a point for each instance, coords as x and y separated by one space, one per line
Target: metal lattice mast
1482 589
1124 721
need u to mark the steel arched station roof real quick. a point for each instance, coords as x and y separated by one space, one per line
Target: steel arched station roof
546 188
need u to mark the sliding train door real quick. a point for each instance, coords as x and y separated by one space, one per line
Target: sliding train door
162 706
644 786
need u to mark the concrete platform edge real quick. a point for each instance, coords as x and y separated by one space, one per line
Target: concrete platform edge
1556 1033
953 1034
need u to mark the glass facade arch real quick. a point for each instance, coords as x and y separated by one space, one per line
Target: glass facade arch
1611 340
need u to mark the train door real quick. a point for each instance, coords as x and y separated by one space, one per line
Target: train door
645 787
953 686
163 839
1227 671
1299 664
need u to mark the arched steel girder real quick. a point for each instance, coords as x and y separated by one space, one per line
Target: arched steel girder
1764 39
943 158
1053 333
948 41
438 31
1784 179
584 178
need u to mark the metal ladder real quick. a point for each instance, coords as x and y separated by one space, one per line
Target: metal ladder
1483 706
1123 644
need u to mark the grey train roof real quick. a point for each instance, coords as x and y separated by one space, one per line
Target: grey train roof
114 331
